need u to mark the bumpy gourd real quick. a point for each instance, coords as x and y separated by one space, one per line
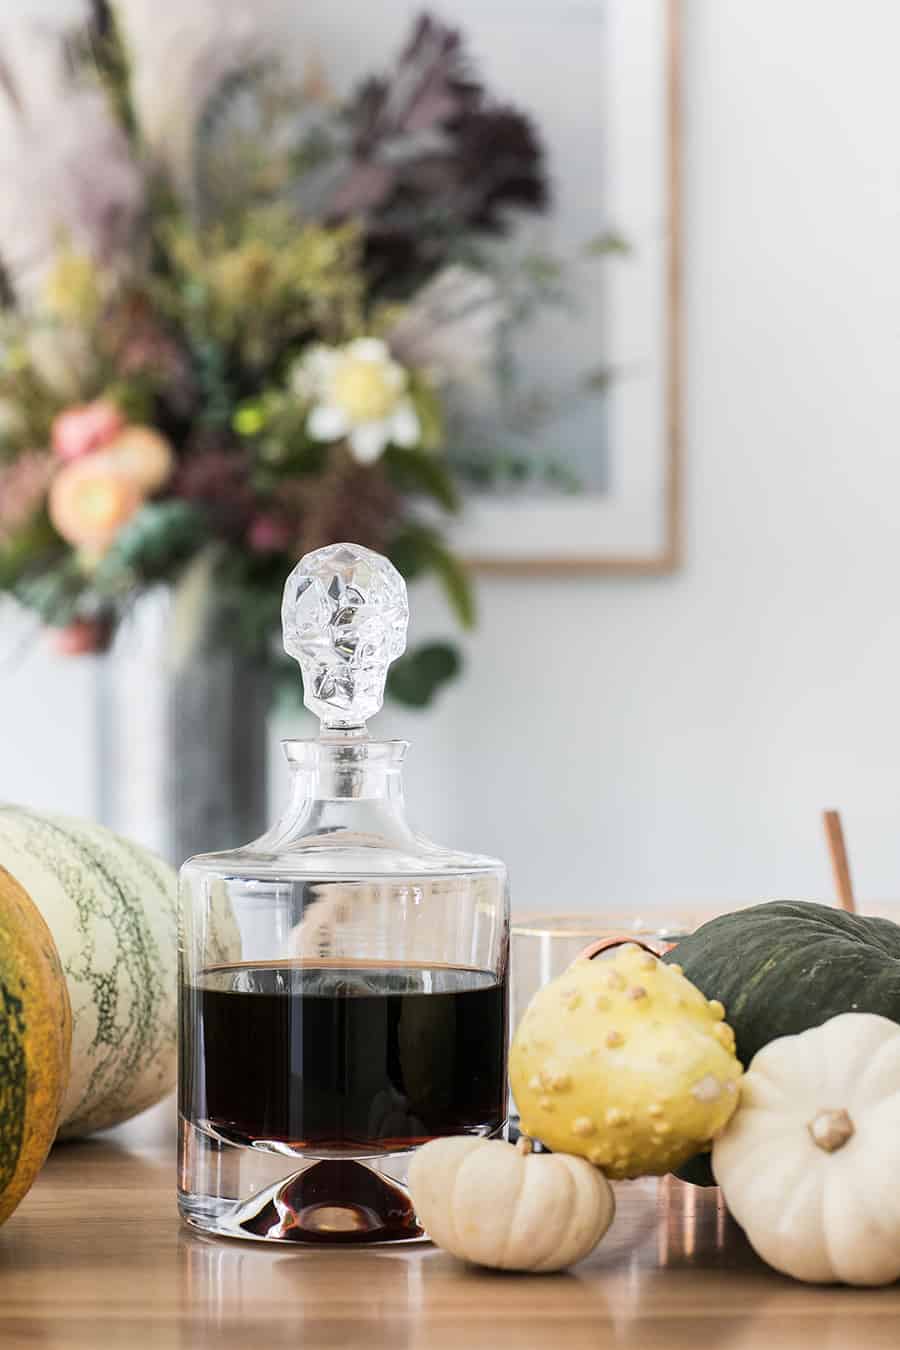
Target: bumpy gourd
808 1164
623 1061
502 1206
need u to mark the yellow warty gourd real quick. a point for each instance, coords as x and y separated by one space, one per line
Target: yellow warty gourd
623 1061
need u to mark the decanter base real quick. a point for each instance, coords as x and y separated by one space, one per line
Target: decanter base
323 1202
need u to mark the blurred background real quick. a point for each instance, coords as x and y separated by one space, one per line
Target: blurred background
659 740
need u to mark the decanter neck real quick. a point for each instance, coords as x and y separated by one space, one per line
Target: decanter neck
349 788
347 769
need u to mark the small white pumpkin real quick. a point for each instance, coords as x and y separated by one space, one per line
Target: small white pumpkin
503 1206
809 1161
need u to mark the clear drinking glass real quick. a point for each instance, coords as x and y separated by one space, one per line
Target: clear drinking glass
542 946
343 981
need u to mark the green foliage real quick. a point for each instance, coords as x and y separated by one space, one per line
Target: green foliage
211 369
416 677
418 550
273 425
259 140
34 544
611 242
153 546
55 593
506 470
411 471
268 283
248 591
598 381
231 169
28 402
547 275
430 412
101 50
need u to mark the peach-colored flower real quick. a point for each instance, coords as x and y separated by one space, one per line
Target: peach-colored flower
143 455
79 431
90 501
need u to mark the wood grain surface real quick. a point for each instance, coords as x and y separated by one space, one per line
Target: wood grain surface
96 1258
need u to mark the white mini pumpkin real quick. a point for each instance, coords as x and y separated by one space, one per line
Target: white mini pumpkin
808 1163
503 1206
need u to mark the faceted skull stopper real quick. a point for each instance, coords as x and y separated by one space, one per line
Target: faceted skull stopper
344 616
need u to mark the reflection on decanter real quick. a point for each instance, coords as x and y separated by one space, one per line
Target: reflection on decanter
390 916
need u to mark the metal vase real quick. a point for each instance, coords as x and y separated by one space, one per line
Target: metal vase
181 734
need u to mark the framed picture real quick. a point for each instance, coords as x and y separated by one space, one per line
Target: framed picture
589 421
606 107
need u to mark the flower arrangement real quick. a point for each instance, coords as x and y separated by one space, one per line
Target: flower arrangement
228 331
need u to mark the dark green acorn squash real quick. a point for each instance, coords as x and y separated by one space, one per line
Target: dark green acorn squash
786 966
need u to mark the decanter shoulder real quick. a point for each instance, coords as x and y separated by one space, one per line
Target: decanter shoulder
352 856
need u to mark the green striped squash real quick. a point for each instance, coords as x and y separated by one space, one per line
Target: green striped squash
111 908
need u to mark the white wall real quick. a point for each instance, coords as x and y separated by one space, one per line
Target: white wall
676 738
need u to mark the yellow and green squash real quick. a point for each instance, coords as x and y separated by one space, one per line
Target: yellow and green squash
35 1042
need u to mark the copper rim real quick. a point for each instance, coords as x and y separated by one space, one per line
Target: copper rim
623 940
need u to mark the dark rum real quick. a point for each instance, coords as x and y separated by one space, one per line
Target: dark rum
329 1060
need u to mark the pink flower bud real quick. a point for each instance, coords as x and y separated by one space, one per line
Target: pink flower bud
80 430
269 534
82 636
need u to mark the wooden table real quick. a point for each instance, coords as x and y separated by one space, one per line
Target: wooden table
96 1258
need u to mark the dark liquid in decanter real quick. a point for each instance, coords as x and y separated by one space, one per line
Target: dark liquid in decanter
343 1060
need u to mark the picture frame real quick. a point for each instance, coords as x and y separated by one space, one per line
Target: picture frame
635 526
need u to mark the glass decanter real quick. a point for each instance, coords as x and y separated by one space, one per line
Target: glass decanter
343 981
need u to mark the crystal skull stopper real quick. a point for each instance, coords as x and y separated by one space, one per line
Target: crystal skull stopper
344 616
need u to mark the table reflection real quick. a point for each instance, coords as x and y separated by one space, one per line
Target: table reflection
225 1284
406 1299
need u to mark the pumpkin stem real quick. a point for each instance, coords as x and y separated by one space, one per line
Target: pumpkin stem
523 1145
830 1130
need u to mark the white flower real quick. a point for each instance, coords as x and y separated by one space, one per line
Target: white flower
358 394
